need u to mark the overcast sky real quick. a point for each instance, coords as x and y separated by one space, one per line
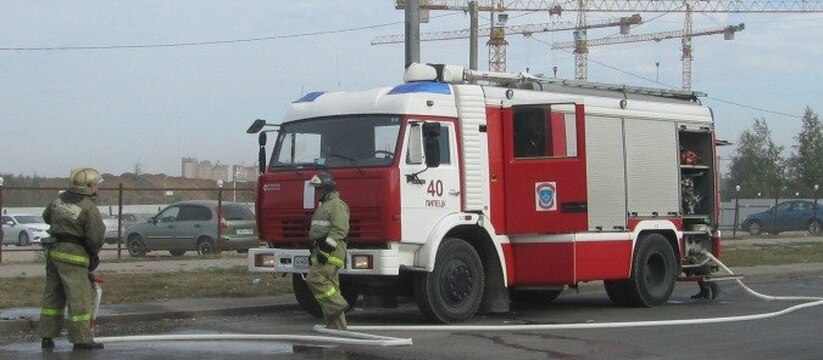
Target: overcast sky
115 108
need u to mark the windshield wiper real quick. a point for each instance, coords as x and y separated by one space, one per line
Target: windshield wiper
353 161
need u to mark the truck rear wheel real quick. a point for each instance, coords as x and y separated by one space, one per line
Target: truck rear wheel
653 274
453 291
309 304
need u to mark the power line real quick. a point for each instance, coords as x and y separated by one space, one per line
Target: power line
205 43
754 108
673 87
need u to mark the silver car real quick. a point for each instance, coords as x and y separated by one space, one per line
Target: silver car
193 225
23 229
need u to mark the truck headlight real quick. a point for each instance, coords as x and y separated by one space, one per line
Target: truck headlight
264 260
362 262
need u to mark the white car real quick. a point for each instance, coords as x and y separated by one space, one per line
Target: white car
111 222
23 229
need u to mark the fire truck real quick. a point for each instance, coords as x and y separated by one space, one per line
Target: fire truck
469 189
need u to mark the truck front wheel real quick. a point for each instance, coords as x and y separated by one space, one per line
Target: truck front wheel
453 291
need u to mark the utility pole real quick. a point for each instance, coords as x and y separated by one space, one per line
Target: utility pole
412 32
473 35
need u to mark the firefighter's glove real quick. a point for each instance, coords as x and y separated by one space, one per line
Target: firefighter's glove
327 245
94 261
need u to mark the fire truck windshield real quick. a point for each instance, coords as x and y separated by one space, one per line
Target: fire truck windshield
339 141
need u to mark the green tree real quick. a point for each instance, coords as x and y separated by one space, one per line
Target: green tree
806 162
757 166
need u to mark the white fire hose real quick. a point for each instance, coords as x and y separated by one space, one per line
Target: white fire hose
350 337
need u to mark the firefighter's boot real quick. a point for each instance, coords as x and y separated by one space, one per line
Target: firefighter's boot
705 291
715 290
47 344
337 322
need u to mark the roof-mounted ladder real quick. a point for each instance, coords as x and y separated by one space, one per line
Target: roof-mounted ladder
520 78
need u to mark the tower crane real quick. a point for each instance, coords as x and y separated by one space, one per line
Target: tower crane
497 34
728 34
582 7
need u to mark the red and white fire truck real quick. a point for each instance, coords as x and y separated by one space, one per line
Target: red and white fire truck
467 195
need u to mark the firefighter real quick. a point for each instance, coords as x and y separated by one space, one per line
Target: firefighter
329 228
71 255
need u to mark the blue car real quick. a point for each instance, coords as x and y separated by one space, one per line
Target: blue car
793 215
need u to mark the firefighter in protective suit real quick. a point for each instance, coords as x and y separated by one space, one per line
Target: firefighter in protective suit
77 232
328 232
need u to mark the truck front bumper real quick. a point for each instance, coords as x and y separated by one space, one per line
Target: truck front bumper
365 262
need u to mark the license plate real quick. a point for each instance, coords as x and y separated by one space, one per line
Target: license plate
301 261
245 231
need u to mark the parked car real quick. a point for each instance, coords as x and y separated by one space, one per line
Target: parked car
192 225
23 229
795 215
111 223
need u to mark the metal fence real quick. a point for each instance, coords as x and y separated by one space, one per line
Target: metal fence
117 202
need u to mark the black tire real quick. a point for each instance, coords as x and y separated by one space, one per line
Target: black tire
205 246
755 227
177 252
618 292
136 246
23 239
453 291
653 274
534 296
309 304
813 227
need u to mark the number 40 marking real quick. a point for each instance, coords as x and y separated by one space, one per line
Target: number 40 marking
435 188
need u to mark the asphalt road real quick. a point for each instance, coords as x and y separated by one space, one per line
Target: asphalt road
792 336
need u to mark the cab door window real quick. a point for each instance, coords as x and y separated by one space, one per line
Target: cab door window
445 146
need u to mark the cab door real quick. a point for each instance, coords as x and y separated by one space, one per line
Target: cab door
545 169
428 192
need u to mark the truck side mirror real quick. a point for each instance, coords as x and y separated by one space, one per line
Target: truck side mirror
415 147
261 153
431 143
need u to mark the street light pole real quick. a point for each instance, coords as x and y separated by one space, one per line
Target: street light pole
816 222
219 212
234 186
2 182
736 209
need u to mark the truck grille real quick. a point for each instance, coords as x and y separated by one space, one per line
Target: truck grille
290 226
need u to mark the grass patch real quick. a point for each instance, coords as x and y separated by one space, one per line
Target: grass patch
777 254
120 288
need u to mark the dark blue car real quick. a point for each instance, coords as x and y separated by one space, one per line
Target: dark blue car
793 215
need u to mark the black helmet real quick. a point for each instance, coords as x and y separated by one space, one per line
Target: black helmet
325 181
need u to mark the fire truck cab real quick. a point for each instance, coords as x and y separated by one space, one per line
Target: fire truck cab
466 196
